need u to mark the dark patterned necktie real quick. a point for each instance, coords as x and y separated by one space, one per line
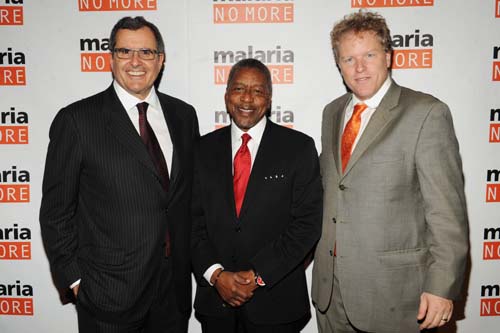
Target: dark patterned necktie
151 142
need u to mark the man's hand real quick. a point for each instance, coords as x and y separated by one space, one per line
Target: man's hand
246 280
75 289
435 311
233 288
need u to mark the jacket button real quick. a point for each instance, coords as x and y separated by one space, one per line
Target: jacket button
334 220
331 253
238 229
341 187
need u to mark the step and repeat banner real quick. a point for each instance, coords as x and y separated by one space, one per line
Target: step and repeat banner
55 52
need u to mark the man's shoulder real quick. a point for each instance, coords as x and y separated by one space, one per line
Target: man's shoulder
420 103
87 104
177 102
338 103
415 95
216 135
286 133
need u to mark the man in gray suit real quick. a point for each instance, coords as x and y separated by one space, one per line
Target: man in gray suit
394 242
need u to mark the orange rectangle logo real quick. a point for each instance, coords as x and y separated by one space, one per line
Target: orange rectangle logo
496 71
15 250
391 3
492 191
11 306
115 5
490 307
95 62
12 193
253 13
11 15
494 133
280 74
491 250
497 9
13 76
14 135
412 58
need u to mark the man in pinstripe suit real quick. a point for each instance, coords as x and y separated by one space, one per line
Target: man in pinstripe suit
115 227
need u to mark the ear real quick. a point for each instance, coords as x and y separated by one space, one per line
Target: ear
388 59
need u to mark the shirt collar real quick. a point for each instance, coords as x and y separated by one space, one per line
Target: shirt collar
255 132
375 100
129 101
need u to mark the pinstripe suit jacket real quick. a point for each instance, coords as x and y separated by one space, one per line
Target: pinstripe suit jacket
104 214
397 213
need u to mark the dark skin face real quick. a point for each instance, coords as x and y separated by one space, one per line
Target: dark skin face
247 98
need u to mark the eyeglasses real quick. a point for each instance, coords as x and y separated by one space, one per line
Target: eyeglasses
144 54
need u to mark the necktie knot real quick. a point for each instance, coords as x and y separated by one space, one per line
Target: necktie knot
358 109
142 107
245 137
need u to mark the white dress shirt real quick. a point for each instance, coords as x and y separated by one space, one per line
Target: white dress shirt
372 104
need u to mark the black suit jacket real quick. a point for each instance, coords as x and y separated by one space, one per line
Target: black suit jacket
280 221
104 213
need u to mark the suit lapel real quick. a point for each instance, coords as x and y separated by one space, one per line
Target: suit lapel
378 122
338 125
120 126
263 157
223 153
173 123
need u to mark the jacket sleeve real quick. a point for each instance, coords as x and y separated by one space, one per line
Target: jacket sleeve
440 177
60 199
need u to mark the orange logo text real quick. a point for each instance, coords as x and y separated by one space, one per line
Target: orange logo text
391 3
115 5
253 13
95 62
16 306
11 15
280 74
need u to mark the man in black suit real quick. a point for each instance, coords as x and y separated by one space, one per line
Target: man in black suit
256 214
115 213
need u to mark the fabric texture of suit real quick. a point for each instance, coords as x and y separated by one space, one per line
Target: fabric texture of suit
397 215
104 213
279 223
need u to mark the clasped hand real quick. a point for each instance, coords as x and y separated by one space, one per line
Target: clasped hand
236 288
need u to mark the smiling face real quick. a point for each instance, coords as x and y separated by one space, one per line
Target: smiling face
363 63
136 75
247 97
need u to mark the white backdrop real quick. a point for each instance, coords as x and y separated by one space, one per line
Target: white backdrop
453 54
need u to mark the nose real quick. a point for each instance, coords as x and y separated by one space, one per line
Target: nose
135 60
360 65
247 96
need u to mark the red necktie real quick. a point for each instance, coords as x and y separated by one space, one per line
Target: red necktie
350 132
242 163
151 142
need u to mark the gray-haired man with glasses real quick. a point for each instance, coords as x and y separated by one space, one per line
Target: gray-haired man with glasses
115 213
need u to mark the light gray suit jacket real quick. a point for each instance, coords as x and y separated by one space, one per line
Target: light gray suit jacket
397 214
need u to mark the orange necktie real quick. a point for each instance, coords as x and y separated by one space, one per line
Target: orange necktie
350 132
242 163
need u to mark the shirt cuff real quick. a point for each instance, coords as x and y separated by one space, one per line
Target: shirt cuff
74 284
210 271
